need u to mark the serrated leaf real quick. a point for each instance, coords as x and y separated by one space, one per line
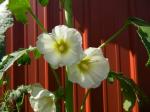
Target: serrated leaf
130 91
144 34
19 8
128 94
44 2
8 60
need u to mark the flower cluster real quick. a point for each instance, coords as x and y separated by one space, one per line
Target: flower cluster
63 47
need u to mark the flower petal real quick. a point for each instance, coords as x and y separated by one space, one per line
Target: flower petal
97 71
45 43
42 100
62 47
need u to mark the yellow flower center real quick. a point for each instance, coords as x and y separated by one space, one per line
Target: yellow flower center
61 46
84 65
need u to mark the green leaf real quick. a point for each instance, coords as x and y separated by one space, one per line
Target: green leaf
19 102
130 91
19 8
8 60
144 34
129 95
37 53
44 2
1 1
24 59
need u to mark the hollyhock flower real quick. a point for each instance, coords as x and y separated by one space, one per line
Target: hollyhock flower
91 70
42 100
61 47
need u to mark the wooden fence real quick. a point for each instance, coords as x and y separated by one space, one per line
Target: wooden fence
96 20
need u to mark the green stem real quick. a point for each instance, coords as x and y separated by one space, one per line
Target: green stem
84 100
69 85
68 12
56 77
37 21
116 34
44 30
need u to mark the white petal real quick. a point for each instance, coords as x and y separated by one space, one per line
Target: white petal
98 71
73 73
42 100
59 31
54 59
94 52
48 43
45 43
35 89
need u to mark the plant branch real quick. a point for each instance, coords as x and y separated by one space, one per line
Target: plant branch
84 100
44 30
37 21
69 85
68 12
116 34
56 77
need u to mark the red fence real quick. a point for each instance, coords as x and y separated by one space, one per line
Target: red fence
96 20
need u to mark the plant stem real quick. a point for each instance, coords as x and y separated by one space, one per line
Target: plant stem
37 21
68 12
116 34
67 5
84 100
56 77
44 30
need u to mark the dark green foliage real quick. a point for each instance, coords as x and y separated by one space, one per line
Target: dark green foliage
44 2
144 33
130 90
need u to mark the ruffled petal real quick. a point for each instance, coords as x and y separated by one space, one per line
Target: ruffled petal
42 100
54 59
97 71
45 43
59 31
63 47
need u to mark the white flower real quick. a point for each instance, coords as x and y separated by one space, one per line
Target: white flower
61 47
91 70
42 100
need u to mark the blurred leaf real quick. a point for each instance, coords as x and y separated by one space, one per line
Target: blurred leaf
127 105
19 102
19 8
44 2
144 33
8 60
130 91
1 1
37 53
24 59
